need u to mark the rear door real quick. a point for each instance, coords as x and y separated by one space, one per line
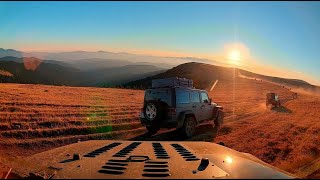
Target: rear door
206 107
183 101
196 104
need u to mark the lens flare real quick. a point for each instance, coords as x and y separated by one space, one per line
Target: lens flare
229 160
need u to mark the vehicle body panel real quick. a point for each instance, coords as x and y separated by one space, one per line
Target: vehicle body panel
223 162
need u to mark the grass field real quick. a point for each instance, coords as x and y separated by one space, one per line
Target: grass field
35 118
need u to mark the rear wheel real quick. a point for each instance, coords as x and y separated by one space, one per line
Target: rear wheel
189 126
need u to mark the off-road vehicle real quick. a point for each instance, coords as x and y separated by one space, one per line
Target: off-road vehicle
273 99
175 103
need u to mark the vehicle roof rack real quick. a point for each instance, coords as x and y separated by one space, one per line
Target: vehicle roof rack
172 87
172 82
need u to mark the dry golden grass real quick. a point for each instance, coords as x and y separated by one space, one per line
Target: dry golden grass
287 137
34 118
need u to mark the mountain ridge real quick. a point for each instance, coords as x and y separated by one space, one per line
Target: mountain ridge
36 71
204 75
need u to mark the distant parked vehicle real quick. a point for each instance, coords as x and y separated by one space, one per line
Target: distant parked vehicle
273 99
294 95
175 103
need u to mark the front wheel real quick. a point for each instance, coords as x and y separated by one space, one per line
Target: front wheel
189 127
219 120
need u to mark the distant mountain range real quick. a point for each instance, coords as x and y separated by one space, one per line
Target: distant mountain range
36 71
83 58
33 71
99 68
108 69
28 59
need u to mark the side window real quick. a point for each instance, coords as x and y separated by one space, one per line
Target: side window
204 98
195 97
183 97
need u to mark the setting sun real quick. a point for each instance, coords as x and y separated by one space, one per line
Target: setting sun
234 55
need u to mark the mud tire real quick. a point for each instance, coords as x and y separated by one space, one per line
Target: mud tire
219 120
189 126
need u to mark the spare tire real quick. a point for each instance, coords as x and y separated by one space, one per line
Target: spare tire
154 111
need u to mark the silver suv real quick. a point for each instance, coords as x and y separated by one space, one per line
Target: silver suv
178 107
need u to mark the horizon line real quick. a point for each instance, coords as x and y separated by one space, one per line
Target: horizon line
209 61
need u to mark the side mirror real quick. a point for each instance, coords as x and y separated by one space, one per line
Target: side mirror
210 100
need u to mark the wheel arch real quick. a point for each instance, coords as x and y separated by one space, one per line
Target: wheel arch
182 116
216 110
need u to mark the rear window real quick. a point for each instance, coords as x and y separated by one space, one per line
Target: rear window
163 95
182 96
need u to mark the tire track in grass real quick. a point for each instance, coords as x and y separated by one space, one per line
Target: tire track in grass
50 142
55 132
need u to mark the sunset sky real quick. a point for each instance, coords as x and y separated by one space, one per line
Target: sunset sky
280 38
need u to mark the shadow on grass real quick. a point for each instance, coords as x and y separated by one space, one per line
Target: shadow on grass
67 160
281 109
204 132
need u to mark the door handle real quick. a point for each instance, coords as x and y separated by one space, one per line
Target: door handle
202 106
194 106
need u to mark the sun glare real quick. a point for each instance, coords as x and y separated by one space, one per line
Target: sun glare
234 55
229 160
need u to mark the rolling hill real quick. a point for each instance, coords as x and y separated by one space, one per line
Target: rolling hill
110 77
35 118
204 75
296 84
96 63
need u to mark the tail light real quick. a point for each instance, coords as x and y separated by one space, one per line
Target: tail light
141 110
172 110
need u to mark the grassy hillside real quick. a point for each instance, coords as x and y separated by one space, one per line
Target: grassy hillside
204 75
35 118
